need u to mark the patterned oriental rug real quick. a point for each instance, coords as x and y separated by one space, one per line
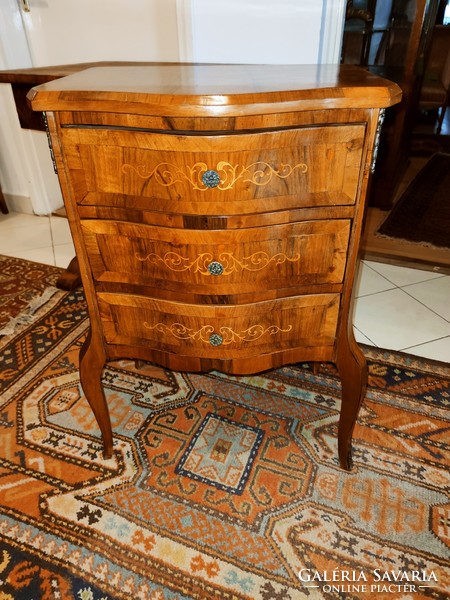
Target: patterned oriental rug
221 487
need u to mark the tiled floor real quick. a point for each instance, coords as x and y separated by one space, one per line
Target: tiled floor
396 308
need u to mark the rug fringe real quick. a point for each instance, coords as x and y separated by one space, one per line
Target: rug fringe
410 242
27 316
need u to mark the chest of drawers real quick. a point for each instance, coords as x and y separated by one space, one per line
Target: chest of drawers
216 213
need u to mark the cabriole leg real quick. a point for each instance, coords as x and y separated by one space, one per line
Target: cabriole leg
352 367
92 361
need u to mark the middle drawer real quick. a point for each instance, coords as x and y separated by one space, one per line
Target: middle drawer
220 261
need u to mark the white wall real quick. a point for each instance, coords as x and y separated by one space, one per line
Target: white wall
69 31
26 171
15 178
267 31
63 32
263 32
27 178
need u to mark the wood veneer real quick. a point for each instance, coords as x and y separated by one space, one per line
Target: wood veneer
216 212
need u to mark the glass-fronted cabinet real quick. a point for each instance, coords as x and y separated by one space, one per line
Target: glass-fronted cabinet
390 37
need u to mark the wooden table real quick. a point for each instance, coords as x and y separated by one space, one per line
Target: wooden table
216 213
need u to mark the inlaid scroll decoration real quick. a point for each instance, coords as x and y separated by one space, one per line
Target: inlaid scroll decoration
226 175
229 263
228 335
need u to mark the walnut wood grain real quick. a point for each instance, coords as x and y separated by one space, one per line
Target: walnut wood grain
216 213
216 90
291 255
292 165
245 331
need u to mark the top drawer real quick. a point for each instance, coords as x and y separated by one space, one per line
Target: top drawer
215 174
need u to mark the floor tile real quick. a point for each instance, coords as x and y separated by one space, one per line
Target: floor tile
40 255
361 338
434 294
369 281
64 254
20 238
401 276
436 350
60 230
395 320
15 219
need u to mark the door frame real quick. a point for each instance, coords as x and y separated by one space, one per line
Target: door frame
333 20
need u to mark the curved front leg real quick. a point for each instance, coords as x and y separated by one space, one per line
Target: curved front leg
352 367
92 361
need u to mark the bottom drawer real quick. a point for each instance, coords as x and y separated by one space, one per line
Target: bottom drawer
223 332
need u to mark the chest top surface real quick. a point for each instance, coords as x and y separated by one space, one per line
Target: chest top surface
214 90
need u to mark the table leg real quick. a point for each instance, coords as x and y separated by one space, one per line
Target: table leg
71 278
3 206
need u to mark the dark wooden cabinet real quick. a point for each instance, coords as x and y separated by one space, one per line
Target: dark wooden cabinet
216 214
390 38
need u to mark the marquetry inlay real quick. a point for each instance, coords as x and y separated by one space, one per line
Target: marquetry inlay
227 335
229 263
259 173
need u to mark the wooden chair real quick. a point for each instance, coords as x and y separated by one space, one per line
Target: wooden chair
357 32
435 90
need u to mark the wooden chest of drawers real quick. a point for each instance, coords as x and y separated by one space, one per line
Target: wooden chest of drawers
216 214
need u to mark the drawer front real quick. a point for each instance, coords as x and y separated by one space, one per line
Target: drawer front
218 262
219 332
215 174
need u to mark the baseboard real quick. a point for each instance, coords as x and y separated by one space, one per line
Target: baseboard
20 204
